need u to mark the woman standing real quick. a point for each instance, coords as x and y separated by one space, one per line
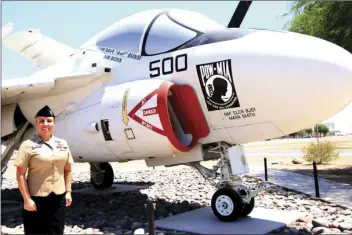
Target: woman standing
47 190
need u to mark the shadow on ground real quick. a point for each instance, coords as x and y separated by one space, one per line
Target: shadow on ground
107 212
338 174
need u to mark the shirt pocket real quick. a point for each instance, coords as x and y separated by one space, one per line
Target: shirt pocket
61 156
40 157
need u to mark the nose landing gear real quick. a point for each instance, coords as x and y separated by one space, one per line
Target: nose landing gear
232 200
227 205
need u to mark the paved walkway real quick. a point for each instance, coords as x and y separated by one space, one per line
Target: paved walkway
332 191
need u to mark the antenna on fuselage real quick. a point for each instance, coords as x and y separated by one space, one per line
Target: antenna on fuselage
239 14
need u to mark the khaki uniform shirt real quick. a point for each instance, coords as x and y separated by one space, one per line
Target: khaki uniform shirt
45 161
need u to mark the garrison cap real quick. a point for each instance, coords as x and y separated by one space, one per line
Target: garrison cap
45 112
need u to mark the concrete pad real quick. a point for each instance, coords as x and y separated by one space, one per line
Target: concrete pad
115 188
203 221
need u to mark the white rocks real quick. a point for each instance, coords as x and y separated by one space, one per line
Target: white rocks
346 212
306 219
174 191
6 230
89 231
340 218
334 231
345 226
349 232
320 223
139 231
334 224
309 226
320 230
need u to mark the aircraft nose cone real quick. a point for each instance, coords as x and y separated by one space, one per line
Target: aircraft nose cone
319 82
295 80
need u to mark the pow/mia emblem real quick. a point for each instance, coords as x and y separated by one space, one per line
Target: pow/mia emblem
217 84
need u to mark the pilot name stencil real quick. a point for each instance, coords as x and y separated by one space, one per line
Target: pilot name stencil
241 113
217 85
125 54
113 58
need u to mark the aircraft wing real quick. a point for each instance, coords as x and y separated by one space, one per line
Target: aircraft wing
14 91
41 50
27 88
6 30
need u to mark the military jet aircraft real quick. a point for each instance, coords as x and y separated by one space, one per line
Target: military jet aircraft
172 87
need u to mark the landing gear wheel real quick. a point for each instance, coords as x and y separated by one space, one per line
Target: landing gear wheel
227 204
103 179
248 208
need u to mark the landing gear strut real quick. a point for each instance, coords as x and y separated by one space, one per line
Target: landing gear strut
13 143
101 175
232 200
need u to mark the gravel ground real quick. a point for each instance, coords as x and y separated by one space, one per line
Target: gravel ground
174 191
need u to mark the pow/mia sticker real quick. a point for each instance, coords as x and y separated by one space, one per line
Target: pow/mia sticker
217 85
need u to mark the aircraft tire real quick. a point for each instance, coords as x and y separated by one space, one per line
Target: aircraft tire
108 177
226 205
248 208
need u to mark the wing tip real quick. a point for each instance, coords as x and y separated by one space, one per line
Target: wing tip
6 29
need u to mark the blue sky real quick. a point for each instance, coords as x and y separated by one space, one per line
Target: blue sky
74 22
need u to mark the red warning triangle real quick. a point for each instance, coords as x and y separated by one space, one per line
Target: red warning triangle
132 114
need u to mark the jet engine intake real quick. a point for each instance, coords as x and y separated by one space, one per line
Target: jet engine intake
181 115
162 111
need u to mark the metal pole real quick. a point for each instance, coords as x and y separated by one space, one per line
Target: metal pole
317 132
150 215
265 169
315 171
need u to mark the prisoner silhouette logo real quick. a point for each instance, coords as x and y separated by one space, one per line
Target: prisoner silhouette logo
217 84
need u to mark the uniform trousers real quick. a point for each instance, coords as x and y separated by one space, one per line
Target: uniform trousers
49 217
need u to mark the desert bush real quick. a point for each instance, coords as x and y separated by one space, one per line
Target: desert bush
324 152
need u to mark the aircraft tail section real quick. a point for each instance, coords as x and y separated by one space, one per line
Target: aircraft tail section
41 50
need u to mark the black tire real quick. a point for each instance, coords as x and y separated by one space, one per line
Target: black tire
248 208
108 177
236 201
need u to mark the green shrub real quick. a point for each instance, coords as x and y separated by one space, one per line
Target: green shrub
324 152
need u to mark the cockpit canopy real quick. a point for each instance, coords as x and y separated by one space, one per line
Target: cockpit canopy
154 31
